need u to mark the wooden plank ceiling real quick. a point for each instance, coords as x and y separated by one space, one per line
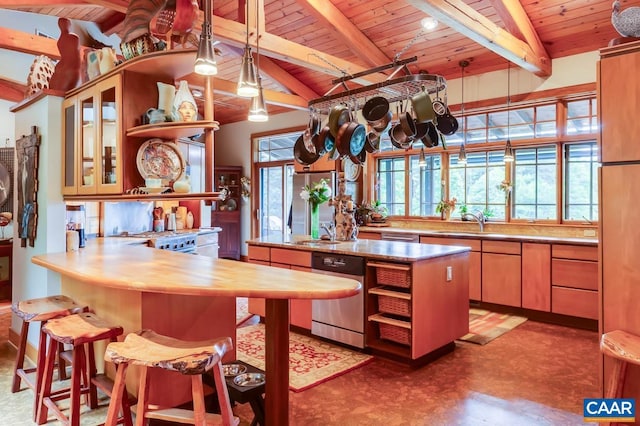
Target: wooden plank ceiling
305 44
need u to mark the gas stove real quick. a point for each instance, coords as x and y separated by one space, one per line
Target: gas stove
182 241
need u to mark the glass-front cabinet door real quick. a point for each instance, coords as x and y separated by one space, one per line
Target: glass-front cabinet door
92 133
109 136
69 135
87 162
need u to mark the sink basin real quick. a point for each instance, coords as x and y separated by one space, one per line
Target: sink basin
314 242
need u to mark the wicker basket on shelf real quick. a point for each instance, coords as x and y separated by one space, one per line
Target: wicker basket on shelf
393 277
394 305
395 334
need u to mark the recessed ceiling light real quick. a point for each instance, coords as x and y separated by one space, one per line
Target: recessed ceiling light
429 23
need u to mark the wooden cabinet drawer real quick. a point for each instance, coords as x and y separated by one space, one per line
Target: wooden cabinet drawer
504 247
574 302
574 273
259 253
369 235
474 244
564 251
291 257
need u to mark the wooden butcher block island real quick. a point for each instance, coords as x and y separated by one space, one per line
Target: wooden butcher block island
416 301
192 298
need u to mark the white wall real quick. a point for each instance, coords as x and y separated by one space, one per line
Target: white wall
30 281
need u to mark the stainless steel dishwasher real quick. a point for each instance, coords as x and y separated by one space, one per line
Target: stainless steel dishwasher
341 320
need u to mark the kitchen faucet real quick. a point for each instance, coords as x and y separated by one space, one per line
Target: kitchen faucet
330 229
478 217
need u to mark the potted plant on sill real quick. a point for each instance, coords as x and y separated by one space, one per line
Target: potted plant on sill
464 210
373 212
445 207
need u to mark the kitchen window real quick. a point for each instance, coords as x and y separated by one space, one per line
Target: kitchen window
390 185
476 184
425 186
581 181
534 183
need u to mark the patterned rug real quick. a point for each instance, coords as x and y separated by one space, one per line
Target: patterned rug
484 326
242 310
311 361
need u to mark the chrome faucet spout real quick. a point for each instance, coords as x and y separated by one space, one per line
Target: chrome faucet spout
479 217
330 229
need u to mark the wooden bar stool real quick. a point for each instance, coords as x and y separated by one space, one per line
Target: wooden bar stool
78 330
149 349
42 310
624 348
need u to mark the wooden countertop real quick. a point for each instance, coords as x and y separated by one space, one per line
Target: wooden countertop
117 263
373 249
484 236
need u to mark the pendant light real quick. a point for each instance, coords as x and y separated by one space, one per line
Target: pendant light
247 82
508 151
422 162
206 60
462 155
258 110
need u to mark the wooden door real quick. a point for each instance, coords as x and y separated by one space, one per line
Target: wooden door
501 279
536 276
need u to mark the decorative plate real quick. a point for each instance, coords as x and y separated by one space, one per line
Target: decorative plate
350 169
159 159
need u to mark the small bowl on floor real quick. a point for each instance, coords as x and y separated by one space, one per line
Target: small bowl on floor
249 379
232 370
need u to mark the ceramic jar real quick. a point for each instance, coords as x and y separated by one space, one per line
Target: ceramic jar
166 97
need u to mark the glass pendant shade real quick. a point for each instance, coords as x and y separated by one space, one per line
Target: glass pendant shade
508 152
422 162
205 61
462 156
258 110
247 83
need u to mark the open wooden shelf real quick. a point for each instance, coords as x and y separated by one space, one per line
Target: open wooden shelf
211 196
172 130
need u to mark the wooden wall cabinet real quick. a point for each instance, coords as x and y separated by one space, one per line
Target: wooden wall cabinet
226 214
92 139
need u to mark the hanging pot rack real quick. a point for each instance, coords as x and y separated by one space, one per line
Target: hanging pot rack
392 88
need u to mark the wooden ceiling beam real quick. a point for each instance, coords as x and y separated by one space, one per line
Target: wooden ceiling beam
33 44
517 22
112 24
117 5
226 87
465 20
11 90
279 75
331 17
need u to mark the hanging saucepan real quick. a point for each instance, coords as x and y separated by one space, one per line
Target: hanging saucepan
423 106
430 139
338 116
377 113
407 124
360 158
447 124
372 143
399 138
302 155
319 141
421 130
314 124
351 138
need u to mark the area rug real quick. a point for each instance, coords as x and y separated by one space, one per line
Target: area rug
242 310
311 361
484 326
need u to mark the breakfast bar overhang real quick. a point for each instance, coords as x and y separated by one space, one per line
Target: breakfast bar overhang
148 275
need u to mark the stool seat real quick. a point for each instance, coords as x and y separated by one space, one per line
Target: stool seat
149 349
34 310
624 349
78 330
46 308
621 345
